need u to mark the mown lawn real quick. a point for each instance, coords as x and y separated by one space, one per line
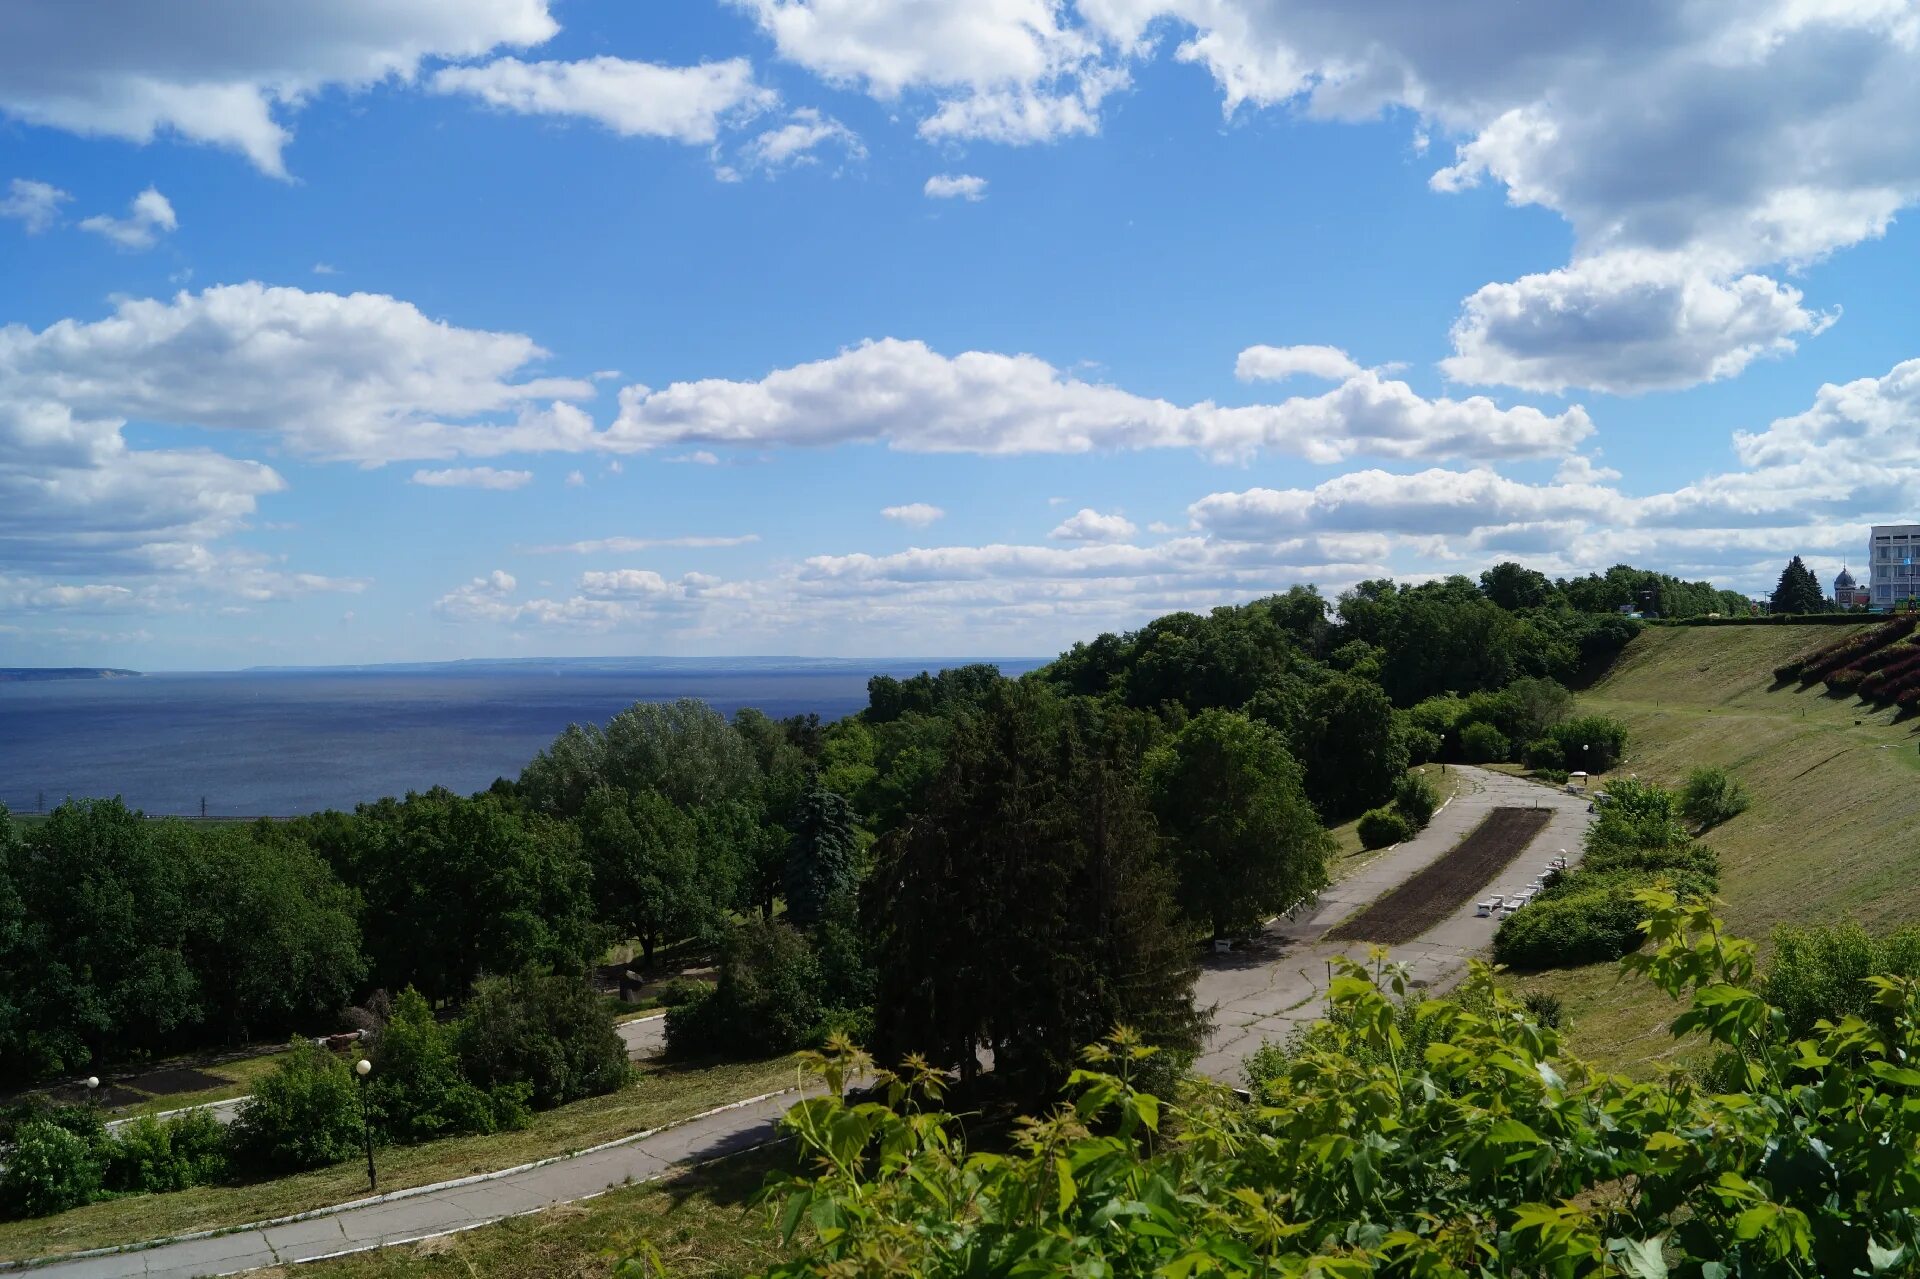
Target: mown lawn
660 1095
1833 833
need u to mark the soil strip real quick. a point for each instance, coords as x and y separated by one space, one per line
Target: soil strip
1450 882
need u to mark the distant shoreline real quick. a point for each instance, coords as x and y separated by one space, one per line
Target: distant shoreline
42 674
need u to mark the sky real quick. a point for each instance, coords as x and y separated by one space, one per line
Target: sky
381 330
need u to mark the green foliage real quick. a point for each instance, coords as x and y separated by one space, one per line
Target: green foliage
548 1033
305 1114
1025 906
654 875
769 1000
1415 799
1482 743
1231 807
1569 930
684 749
416 1087
822 862
1351 746
1406 1137
1591 743
1381 827
1711 796
152 1156
1824 973
1798 590
1544 755
48 1169
682 990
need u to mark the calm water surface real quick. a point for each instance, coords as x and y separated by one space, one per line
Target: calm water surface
279 743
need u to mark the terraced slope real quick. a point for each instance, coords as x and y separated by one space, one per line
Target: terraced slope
1834 830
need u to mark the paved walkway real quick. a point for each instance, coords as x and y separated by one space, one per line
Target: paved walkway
1262 993
1258 995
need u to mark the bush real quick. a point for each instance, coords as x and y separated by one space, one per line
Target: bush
1591 743
1711 796
1544 1007
549 1032
1423 744
151 1156
1415 799
48 1170
1544 755
1558 776
683 990
418 1092
1482 743
306 1114
1821 973
768 1000
1560 932
1380 827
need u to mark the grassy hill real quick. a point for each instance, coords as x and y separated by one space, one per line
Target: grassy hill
1834 831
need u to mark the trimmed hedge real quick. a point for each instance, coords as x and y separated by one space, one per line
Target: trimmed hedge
1580 928
1767 619
1380 827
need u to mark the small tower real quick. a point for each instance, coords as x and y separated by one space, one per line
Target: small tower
1844 588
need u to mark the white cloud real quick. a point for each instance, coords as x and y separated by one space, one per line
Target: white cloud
1275 363
223 72
914 514
798 142
1003 70
474 477
149 217
1430 502
575 479
606 600
362 378
1625 322
911 397
626 545
699 457
1089 525
35 205
325 268
950 186
635 99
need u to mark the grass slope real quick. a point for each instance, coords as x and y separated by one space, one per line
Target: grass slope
1834 831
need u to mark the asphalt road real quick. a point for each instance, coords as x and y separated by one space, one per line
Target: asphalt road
1257 994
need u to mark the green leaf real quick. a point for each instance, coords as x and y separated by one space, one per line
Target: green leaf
1639 1258
1884 1258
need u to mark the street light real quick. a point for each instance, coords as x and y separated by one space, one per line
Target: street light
363 1068
93 1092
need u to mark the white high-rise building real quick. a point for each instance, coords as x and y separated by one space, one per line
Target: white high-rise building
1893 561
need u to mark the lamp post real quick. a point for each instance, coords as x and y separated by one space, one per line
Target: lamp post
363 1068
93 1092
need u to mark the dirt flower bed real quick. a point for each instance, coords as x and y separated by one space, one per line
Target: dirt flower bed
1448 884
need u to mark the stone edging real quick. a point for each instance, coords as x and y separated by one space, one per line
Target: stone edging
391 1196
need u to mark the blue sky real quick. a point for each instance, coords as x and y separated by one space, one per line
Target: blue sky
439 328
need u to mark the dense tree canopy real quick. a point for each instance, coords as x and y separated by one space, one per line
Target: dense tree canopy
1798 590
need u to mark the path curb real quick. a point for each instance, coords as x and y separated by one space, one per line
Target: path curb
411 1192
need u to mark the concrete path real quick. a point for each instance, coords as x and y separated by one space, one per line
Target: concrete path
1258 994
1263 992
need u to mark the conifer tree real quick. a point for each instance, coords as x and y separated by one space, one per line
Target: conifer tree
1798 591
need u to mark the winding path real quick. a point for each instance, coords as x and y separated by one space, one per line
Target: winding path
1257 994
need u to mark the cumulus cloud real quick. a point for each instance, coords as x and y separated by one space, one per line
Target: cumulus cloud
575 479
226 72
914 514
1089 525
911 397
474 477
35 205
605 600
1001 70
149 217
955 186
1625 322
1275 363
635 99
361 378
800 141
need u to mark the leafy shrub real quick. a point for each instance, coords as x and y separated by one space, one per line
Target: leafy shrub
1423 744
1821 973
768 1000
549 1032
1591 743
1711 796
1380 827
1558 776
49 1169
1560 932
1415 799
1482 743
1544 754
151 1156
1544 1007
682 990
306 1114
418 1091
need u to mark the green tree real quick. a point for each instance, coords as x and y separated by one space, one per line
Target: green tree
1231 806
1514 588
650 879
547 1031
1352 747
305 1114
456 887
1024 907
684 749
822 862
1798 590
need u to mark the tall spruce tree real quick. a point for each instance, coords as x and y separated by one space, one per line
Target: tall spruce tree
821 866
1799 590
1023 909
